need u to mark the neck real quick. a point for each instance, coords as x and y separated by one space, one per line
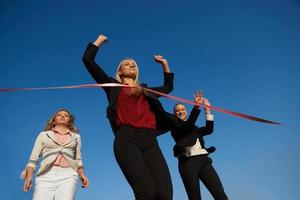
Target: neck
129 81
61 128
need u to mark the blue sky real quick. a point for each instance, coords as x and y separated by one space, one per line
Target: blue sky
245 55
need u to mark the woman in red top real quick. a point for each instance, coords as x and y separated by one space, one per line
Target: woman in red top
136 118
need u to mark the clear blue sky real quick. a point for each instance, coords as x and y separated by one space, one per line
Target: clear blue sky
245 55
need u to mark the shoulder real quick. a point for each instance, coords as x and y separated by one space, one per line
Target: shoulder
76 135
43 133
42 136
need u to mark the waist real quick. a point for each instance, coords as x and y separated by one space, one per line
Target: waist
129 128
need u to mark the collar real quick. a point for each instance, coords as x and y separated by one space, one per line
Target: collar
52 137
56 131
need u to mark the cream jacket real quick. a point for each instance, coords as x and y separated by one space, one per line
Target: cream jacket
47 146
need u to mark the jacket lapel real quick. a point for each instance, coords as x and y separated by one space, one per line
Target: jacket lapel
71 139
50 134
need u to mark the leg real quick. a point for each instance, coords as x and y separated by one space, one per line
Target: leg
66 184
44 188
159 170
212 182
189 172
131 162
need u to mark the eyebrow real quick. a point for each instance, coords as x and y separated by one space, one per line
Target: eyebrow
63 114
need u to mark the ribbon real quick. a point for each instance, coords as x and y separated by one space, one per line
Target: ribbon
229 112
182 100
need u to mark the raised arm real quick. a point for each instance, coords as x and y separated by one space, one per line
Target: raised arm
88 59
209 126
190 122
160 59
167 87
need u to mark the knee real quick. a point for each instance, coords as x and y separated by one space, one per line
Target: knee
146 193
221 196
164 193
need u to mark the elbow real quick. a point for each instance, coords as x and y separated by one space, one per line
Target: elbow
85 59
209 130
169 88
88 61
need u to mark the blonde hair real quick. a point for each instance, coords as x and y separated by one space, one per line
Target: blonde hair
71 126
118 77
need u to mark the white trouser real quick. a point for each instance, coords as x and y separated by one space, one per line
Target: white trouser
57 184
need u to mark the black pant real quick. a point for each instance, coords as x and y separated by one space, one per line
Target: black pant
197 168
142 163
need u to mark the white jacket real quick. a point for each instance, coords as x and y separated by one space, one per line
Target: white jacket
48 146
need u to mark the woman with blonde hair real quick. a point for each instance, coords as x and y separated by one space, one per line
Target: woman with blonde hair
60 146
136 118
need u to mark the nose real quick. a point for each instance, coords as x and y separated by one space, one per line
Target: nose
132 65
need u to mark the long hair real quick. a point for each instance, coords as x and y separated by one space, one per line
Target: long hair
71 126
118 78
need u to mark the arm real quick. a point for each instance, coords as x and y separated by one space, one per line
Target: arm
167 87
160 59
209 127
83 178
88 59
189 124
33 161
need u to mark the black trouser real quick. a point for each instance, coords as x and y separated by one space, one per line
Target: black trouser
142 163
197 168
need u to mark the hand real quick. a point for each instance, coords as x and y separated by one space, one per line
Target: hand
198 97
206 103
84 181
100 40
27 184
160 59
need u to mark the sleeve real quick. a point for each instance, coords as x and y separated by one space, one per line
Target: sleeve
93 68
36 151
167 87
189 124
207 129
78 155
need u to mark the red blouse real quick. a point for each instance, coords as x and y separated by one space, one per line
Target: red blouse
134 111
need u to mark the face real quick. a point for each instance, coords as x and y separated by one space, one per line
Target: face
128 69
180 111
62 118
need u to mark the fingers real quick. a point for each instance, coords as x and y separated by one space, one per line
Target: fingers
27 186
159 58
198 94
198 97
206 102
85 182
103 37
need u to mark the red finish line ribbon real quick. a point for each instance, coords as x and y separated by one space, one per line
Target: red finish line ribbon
229 112
182 100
